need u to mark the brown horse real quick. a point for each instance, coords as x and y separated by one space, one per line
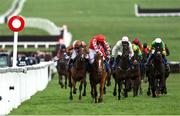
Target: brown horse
98 75
62 68
156 78
78 73
122 72
136 74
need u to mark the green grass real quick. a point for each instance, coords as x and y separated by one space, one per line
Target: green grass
54 101
5 5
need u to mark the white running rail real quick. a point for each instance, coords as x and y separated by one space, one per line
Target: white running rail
19 84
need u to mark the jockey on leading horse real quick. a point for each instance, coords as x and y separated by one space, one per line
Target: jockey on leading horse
77 44
155 43
118 49
98 44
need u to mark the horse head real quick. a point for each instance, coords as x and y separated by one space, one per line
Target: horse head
80 59
158 54
124 61
126 50
99 64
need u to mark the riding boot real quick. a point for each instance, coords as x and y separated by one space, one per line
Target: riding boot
70 64
107 66
87 65
114 65
167 67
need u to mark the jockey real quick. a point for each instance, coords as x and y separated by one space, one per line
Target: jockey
137 42
98 44
74 47
136 48
61 48
118 49
145 49
153 45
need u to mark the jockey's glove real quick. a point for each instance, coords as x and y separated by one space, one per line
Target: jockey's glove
153 51
164 53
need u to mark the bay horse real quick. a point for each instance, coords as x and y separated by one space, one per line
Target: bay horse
98 75
157 79
78 73
136 74
62 68
121 73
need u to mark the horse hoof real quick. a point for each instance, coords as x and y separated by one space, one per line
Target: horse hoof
62 86
154 95
71 97
119 98
74 91
114 93
125 95
109 84
100 100
84 94
148 93
79 97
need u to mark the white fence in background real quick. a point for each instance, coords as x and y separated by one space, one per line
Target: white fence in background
26 44
136 10
19 84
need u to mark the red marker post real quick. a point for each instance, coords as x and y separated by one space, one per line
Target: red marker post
15 24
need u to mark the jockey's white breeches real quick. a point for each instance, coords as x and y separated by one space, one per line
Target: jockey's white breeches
74 54
92 54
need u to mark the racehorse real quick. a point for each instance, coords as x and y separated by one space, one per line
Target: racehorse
136 74
121 73
98 75
62 68
78 73
143 69
156 78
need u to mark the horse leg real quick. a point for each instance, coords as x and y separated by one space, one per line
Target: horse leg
163 85
92 88
134 87
119 89
95 93
102 86
108 79
115 86
104 90
149 87
80 89
127 84
153 88
70 97
85 84
165 88
140 88
60 81
73 85
65 81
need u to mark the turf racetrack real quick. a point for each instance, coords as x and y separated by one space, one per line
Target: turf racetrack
114 19
54 100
